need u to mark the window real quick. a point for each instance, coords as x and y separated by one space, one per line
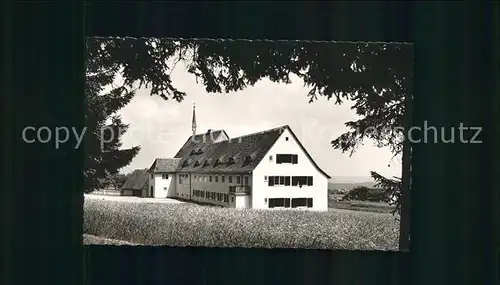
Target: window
309 202
265 200
270 158
270 181
164 176
223 178
245 180
230 177
299 202
286 138
302 180
265 178
165 188
216 178
210 178
238 179
279 202
278 180
286 158
232 199
152 176
226 198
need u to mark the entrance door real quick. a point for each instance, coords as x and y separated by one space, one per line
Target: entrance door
152 192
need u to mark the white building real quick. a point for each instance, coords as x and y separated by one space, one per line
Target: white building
269 169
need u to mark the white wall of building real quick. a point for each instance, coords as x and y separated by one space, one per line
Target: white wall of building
218 183
242 201
163 185
262 192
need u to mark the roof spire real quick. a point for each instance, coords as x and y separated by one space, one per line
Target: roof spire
194 120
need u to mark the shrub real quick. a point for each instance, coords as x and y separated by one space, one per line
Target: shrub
192 225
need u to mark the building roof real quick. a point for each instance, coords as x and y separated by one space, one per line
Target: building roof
206 138
137 180
235 155
164 165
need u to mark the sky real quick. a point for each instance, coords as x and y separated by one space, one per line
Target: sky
161 126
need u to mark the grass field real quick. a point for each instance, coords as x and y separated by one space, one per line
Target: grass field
193 225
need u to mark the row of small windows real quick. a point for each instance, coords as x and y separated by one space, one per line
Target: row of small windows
290 203
214 178
224 160
289 180
280 158
215 196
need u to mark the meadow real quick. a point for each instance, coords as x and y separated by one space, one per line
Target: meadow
335 202
194 225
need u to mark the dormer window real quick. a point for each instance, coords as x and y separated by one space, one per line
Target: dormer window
205 163
230 161
196 163
247 160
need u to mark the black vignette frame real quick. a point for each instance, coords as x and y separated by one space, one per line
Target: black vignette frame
454 226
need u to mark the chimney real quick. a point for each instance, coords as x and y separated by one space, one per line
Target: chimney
209 131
